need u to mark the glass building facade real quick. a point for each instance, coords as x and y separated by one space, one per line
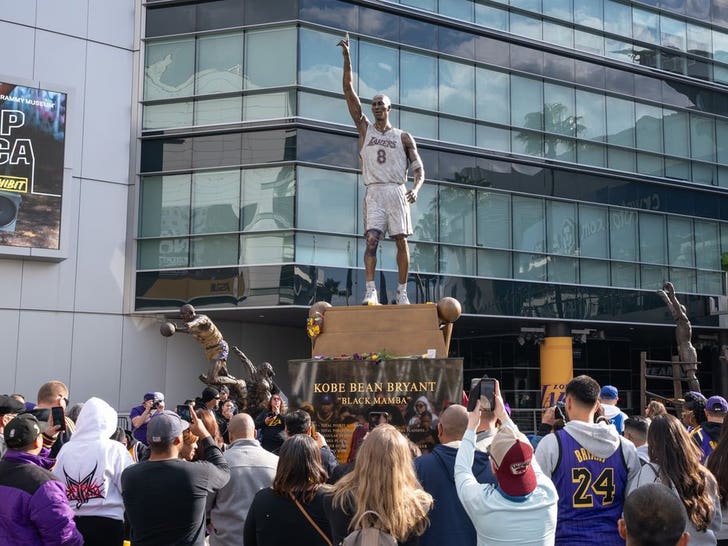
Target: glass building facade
576 158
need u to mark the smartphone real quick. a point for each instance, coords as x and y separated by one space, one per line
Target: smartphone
184 413
483 389
560 411
58 416
474 393
487 393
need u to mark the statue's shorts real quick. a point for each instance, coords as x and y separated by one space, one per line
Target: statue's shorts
386 209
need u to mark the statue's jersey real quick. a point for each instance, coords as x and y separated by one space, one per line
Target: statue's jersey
205 331
591 494
383 157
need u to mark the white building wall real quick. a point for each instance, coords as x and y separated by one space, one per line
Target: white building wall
66 320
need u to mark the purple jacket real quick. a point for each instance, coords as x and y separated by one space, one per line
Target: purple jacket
34 507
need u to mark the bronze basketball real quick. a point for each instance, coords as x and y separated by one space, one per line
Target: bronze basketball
167 329
319 307
449 309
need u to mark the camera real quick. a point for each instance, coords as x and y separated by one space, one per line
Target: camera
560 411
155 404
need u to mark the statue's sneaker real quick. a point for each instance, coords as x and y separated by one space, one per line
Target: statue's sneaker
371 297
400 298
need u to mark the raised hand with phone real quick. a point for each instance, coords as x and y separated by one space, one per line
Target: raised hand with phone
522 494
58 417
197 426
485 394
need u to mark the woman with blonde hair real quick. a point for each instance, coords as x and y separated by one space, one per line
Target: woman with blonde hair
383 481
675 462
655 408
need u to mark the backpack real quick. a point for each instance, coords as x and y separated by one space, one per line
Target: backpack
369 536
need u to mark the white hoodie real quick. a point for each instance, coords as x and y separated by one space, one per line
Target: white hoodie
90 463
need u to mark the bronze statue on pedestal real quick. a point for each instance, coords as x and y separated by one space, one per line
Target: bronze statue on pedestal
683 334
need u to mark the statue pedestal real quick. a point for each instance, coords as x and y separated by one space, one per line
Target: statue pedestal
396 329
370 388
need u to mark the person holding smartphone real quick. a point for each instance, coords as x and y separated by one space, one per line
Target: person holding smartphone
51 407
521 509
165 496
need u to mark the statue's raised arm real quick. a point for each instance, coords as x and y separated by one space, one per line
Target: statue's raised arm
352 99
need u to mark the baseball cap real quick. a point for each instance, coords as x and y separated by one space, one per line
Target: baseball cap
23 430
512 453
717 404
609 392
8 404
210 393
326 399
165 427
154 396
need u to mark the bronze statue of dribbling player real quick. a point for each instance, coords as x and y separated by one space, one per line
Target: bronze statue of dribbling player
207 334
683 334
386 155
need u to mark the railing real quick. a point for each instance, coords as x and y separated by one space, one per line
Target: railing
123 421
527 419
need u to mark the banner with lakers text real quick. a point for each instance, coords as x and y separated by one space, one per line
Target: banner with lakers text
32 155
346 398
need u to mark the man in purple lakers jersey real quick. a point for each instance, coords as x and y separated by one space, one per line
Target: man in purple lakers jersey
591 466
386 155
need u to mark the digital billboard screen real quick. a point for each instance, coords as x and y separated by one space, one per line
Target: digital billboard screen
32 151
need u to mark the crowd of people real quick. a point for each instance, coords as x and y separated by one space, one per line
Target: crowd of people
208 474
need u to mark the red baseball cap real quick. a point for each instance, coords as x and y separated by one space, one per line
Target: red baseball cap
512 454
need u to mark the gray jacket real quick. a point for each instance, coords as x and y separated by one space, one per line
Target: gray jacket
252 468
649 474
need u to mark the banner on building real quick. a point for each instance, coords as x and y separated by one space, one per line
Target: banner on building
346 398
32 153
